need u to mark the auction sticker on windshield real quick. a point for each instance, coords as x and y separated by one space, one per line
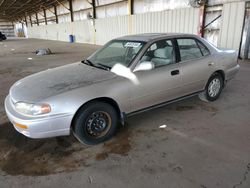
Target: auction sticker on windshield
132 44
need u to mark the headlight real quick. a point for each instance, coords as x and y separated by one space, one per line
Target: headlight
32 109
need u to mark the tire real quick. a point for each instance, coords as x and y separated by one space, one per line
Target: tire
213 88
95 123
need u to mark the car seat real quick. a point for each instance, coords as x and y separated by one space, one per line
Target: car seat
163 56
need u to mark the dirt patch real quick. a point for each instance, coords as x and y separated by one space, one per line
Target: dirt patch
208 108
14 72
23 156
146 132
7 71
20 155
20 53
184 108
199 106
121 144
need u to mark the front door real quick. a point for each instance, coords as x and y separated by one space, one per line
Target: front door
160 84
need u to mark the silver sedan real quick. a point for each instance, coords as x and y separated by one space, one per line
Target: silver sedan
126 76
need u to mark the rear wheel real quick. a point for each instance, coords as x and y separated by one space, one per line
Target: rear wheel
96 122
213 88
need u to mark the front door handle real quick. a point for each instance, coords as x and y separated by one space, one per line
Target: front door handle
211 64
175 72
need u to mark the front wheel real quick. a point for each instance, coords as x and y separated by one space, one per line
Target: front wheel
96 122
213 88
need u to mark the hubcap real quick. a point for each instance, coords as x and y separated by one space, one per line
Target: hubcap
98 124
214 87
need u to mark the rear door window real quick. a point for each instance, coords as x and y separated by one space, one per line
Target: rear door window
203 48
189 49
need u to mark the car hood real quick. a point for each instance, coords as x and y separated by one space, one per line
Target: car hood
51 82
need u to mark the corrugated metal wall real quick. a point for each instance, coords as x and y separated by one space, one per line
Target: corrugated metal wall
109 28
143 6
172 16
82 30
184 20
220 2
232 24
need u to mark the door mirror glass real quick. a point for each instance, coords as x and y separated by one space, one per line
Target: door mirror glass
144 66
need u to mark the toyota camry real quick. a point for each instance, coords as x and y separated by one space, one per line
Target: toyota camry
128 75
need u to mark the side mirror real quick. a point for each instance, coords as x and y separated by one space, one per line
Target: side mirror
144 66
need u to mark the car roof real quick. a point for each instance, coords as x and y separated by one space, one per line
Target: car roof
146 37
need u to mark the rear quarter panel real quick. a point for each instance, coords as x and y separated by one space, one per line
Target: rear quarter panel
227 61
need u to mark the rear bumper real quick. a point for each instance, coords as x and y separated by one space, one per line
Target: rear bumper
230 73
42 127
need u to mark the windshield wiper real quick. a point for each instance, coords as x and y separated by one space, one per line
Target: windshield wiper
104 66
88 62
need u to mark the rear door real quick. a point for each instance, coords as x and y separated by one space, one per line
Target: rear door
196 65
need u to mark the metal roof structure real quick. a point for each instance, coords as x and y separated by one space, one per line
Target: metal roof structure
14 10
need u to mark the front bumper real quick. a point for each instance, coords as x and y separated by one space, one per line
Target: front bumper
39 127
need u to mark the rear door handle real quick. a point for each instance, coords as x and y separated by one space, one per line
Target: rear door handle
175 72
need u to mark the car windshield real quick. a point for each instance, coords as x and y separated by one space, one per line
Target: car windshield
116 52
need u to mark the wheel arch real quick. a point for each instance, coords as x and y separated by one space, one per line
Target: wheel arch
222 73
108 100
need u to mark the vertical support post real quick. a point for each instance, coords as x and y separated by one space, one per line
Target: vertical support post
31 24
71 10
202 20
22 33
25 18
55 10
247 42
45 17
94 9
13 26
130 7
244 53
130 12
93 20
37 21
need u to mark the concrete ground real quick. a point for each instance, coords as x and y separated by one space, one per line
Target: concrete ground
203 145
